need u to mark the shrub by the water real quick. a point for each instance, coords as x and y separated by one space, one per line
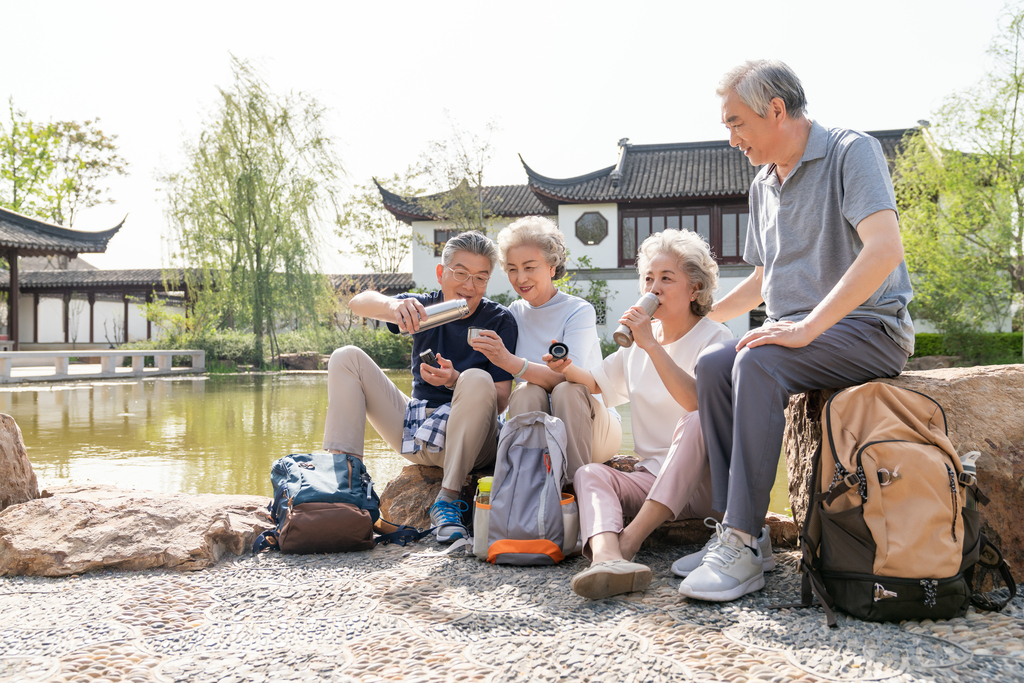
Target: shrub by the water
239 348
977 347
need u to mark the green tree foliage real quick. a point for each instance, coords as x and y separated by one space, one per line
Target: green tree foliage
247 210
372 232
960 187
455 167
54 170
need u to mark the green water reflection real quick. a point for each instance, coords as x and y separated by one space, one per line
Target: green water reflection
216 434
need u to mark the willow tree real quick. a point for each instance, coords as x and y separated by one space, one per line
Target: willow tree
960 185
249 210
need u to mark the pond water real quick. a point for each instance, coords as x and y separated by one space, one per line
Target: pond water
202 434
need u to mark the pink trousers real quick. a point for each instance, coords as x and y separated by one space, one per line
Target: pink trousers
683 486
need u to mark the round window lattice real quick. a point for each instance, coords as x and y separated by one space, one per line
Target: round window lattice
591 228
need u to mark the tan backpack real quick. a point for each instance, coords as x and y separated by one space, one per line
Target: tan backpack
893 530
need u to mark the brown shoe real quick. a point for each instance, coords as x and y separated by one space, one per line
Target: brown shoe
614 577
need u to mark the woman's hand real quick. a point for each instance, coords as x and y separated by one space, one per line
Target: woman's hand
444 376
491 345
637 320
559 365
408 314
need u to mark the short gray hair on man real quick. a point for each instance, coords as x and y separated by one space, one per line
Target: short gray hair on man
535 231
475 243
760 81
693 257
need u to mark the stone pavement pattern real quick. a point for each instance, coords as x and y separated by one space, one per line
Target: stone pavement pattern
416 614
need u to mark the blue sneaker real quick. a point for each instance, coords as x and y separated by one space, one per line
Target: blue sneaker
446 519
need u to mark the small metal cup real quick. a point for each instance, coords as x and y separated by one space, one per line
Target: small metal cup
472 333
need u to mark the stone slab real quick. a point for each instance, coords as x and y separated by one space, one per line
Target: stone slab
82 528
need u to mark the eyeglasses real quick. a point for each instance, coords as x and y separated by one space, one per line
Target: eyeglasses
463 275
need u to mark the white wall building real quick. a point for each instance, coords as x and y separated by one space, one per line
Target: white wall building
606 214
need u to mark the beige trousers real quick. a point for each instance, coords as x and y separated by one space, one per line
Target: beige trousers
592 434
358 390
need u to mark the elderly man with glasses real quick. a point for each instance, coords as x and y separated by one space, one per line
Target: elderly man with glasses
451 421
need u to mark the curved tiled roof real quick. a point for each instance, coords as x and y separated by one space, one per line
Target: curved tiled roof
142 279
381 282
653 172
672 171
33 237
501 200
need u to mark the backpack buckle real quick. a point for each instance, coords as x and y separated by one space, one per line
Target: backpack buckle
852 480
967 479
882 594
885 477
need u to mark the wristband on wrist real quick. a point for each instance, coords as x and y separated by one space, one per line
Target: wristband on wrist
526 365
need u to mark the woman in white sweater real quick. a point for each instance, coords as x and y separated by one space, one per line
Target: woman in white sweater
655 374
532 254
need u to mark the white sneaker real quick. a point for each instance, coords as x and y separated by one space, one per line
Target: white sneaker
687 563
729 570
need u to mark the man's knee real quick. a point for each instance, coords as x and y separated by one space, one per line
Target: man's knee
478 385
346 355
715 363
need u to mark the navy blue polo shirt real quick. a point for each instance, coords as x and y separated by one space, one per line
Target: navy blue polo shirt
449 341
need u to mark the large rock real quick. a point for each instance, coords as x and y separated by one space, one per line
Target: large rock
304 361
407 498
984 409
84 528
17 480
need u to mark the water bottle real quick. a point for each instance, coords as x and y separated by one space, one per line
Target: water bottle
442 313
623 335
571 541
481 516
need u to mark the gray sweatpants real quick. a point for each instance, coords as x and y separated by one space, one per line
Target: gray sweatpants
742 398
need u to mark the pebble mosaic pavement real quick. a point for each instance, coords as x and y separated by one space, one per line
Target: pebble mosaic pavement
416 614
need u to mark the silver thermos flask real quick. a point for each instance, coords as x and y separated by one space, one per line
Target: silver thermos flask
624 336
442 313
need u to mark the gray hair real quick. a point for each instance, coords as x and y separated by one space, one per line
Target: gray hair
760 81
535 231
693 257
475 243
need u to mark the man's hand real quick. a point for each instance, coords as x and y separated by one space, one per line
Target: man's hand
408 314
637 320
491 345
444 376
783 333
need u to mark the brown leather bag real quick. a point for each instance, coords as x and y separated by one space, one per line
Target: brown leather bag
326 528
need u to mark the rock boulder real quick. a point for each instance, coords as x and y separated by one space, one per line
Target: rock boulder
407 498
304 361
17 480
84 528
984 409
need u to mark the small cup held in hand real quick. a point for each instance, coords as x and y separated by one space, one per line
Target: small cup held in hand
558 351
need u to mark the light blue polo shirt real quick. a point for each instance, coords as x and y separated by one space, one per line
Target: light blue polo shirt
804 232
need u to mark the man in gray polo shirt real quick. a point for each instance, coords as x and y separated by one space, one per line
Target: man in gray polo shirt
825 244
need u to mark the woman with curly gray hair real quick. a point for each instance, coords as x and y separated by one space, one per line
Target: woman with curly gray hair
655 375
532 253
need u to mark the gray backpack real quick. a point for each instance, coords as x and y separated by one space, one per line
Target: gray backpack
526 525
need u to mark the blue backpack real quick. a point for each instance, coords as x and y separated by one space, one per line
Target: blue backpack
325 503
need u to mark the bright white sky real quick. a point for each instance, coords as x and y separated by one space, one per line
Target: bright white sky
563 80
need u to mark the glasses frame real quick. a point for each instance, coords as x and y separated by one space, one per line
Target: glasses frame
469 276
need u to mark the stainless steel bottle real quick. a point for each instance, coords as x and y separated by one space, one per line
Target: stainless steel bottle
623 335
442 313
